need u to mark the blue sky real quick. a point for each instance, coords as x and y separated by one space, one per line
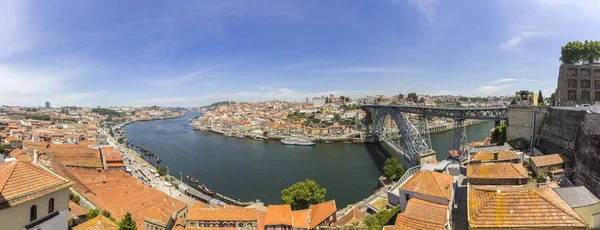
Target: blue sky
194 53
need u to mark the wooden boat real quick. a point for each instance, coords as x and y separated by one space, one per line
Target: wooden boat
157 159
204 189
191 178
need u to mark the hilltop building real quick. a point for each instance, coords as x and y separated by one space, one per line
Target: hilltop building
47 105
525 97
578 84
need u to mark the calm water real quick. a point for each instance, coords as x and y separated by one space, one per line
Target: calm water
247 170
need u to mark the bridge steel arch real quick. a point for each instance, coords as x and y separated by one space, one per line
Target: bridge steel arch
414 143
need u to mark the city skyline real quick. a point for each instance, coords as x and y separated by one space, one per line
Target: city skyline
129 53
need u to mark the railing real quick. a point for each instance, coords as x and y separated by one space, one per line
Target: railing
405 177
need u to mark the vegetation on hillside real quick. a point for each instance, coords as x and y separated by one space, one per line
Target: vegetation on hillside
499 134
303 194
104 111
378 220
42 117
221 103
127 223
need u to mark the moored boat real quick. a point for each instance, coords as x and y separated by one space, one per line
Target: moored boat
300 142
204 189
191 178
157 159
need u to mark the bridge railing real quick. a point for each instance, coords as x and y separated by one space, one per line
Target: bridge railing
409 173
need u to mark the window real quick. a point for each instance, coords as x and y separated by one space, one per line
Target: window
597 96
571 83
585 95
597 84
33 213
51 205
585 84
571 95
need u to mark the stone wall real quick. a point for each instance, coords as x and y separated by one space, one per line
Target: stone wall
587 153
520 122
575 134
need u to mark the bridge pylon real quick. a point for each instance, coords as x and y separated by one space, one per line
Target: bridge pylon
461 145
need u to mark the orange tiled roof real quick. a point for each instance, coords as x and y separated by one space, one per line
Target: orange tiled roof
240 214
118 192
74 208
355 215
422 214
519 207
69 154
21 182
547 160
320 212
300 218
158 214
97 223
262 216
430 183
489 155
497 171
279 215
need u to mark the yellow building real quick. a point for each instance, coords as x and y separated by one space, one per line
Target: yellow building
583 202
525 97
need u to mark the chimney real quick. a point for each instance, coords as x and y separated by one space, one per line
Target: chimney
495 156
35 156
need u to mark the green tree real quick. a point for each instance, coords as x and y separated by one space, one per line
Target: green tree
392 169
499 134
513 102
572 52
413 96
110 131
378 220
106 213
74 197
540 98
1 147
591 51
196 117
120 140
127 223
92 214
422 100
162 170
302 194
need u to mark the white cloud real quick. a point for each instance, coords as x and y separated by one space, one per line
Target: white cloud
184 79
493 90
505 80
517 39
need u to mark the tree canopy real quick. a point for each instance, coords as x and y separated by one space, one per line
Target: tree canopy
303 194
540 98
576 51
413 96
127 223
104 111
392 169
378 220
162 170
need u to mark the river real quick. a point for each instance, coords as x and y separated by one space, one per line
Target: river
248 170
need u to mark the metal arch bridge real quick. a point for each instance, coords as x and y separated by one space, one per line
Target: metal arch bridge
416 144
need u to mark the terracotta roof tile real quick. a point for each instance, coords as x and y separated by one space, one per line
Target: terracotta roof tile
240 214
496 171
279 215
97 223
22 181
430 183
77 210
422 214
355 215
489 155
301 218
519 207
320 212
158 214
547 160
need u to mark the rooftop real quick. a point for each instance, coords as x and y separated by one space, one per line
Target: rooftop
577 196
279 215
300 218
21 182
519 207
70 154
496 171
97 223
548 160
353 216
239 214
422 214
430 183
320 212
484 156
